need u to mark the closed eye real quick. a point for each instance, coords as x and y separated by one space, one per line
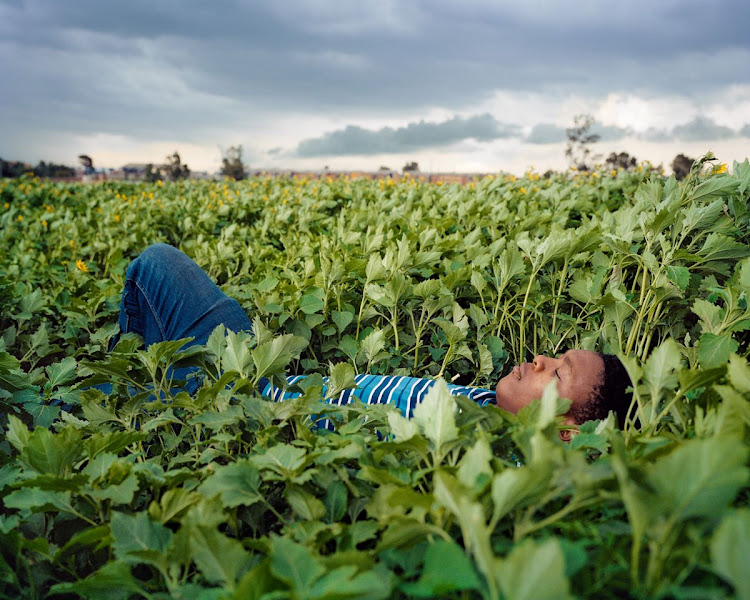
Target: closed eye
557 373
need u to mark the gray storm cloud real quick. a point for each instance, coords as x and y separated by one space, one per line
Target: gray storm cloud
354 140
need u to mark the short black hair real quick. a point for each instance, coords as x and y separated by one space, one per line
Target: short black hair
611 394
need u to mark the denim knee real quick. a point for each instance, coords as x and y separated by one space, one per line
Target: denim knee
153 257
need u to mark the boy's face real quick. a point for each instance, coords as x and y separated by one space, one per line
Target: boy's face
577 373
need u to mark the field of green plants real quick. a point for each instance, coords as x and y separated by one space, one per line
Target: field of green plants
225 494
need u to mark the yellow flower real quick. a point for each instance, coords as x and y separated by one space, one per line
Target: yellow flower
7 206
116 218
72 243
81 266
99 209
722 168
523 190
44 223
20 218
160 183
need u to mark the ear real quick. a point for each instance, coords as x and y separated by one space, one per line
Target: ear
567 434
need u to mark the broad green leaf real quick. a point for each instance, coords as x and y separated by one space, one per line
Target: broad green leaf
342 318
699 477
345 582
534 571
113 581
335 502
237 484
62 372
515 487
714 350
47 452
437 579
172 504
341 378
660 370
304 504
475 466
402 429
136 533
283 459
312 302
18 434
294 564
219 558
37 500
730 547
236 355
272 357
739 373
435 416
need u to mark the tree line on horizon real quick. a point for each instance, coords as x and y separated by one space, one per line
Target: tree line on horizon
578 151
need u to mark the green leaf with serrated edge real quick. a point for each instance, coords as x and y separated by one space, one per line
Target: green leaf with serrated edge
113 581
436 579
739 373
730 547
37 500
294 564
517 487
110 442
136 533
345 582
219 558
236 484
304 504
533 571
335 502
47 452
714 350
117 493
342 318
172 504
680 276
732 415
282 459
341 378
62 372
8 474
476 464
236 355
699 477
660 370
217 420
18 434
312 302
435 416
272 357
402 429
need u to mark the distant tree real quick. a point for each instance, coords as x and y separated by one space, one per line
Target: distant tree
384 168
13 168
173 169
410 167
87 163
681 166
152 173
44 169
580 139
232 165
623 160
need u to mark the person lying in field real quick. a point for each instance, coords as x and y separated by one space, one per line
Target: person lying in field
167 296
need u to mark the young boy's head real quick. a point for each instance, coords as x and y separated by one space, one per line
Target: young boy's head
595 384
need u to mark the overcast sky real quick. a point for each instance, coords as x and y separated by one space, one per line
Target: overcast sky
467 85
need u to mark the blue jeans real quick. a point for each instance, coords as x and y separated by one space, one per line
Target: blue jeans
169 297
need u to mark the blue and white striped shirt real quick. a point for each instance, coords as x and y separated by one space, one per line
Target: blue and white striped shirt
402 392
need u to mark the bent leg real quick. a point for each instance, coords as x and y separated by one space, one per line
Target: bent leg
168 297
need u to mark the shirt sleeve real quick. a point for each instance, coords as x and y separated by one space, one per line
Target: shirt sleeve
400 391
